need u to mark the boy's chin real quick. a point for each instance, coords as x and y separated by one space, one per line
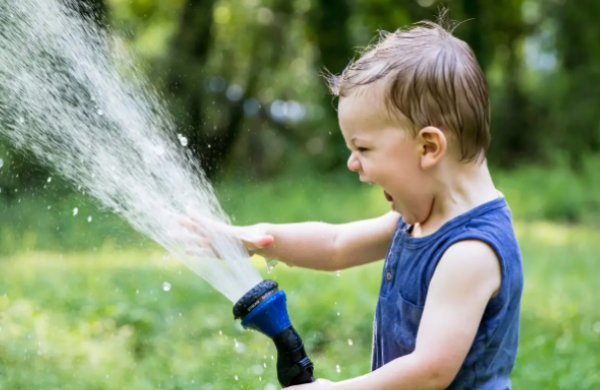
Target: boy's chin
408 218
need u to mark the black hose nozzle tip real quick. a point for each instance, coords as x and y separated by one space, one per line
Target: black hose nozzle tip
253 298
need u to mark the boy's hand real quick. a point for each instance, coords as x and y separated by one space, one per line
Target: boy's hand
320 384
201 228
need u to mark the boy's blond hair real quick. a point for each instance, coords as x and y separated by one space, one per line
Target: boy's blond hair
432 78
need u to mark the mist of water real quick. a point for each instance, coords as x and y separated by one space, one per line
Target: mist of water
71 96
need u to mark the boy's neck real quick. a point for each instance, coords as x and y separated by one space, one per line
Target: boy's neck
462 187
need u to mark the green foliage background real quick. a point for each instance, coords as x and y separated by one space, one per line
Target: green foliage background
82 304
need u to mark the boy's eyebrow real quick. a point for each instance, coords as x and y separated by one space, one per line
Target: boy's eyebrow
359 138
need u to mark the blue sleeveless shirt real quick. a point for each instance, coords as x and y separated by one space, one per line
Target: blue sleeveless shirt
407 272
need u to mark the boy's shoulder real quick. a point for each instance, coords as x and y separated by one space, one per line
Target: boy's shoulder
490 223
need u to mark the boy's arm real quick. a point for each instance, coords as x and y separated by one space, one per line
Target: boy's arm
314 245
467 276
329 247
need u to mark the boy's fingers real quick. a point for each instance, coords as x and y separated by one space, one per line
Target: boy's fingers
194 242
204 221
189 224
265 241
190 237
204 225
198 252
258 242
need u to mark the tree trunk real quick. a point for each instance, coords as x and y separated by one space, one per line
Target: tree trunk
189 53
331 36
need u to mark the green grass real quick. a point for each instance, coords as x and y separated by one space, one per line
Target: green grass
101 320
82 305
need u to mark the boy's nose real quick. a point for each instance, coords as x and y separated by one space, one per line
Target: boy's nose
353 163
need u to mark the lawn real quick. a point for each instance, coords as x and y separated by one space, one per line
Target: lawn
101 319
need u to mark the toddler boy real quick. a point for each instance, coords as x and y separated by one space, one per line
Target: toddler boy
414 113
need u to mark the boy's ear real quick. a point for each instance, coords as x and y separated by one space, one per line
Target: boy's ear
432 146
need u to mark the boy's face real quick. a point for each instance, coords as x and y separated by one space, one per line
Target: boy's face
384 152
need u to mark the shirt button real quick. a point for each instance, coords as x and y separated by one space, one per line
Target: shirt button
388 276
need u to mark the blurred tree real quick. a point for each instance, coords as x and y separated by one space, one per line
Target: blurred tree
496 33
188 55
25 172
213 122
329 31
233 65
573 97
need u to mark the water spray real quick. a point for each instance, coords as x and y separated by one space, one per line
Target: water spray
264 309
72 97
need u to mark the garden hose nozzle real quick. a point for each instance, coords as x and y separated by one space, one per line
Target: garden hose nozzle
264 309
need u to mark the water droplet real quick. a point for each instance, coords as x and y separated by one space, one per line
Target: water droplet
90 218
137 291
167 286
21 120
239 347
100 112
338 273
257 369
350 342
597 327
337 368
1 163
236 377
75 211
220 332
49 207
182 140
272 358
338 313
159 150
270 265
265 365
166 257
49 179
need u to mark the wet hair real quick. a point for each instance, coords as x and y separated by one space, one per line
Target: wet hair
432 78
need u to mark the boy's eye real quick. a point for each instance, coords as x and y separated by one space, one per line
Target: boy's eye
361 149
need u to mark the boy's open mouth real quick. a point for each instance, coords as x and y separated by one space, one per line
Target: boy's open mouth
388 197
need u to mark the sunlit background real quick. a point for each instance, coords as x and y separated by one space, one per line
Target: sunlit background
87 303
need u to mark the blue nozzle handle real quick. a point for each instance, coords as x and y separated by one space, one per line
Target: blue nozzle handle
269 316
